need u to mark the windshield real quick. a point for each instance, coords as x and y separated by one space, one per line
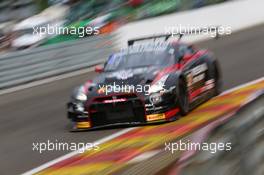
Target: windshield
143 59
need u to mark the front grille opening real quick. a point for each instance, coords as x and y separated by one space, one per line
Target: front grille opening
132 110
126 96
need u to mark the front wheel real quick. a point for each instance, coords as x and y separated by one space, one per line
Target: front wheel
218 82
183 100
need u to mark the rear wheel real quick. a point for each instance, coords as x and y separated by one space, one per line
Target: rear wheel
183 100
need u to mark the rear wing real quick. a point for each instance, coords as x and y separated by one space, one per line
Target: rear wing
179 34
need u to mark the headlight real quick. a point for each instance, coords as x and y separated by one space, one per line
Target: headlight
79 107
81 96
159 85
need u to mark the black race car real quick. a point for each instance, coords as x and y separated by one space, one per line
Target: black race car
146 83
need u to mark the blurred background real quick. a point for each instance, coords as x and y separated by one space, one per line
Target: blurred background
36 112
19 17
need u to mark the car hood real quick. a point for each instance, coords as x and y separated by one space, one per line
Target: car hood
135 76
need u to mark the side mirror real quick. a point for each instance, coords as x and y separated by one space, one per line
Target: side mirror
98 69
191 47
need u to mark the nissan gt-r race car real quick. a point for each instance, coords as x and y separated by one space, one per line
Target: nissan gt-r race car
146 83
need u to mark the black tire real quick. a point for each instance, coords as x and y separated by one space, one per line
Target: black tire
218 82
183 100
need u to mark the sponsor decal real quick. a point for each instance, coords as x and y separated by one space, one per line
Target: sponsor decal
149 47
82 125
199 69
153 117
114 100
123 75
189 79
210 84
196 74
192 80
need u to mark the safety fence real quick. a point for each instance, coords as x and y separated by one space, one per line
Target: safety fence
29 65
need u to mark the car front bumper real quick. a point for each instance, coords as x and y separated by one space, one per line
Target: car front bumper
131 112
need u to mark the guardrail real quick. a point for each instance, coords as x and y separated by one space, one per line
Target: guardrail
29 65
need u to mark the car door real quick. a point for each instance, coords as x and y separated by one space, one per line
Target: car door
194 70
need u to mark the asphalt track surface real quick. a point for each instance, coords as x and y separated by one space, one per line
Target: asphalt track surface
38 114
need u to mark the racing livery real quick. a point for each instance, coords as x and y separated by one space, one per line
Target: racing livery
146 83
